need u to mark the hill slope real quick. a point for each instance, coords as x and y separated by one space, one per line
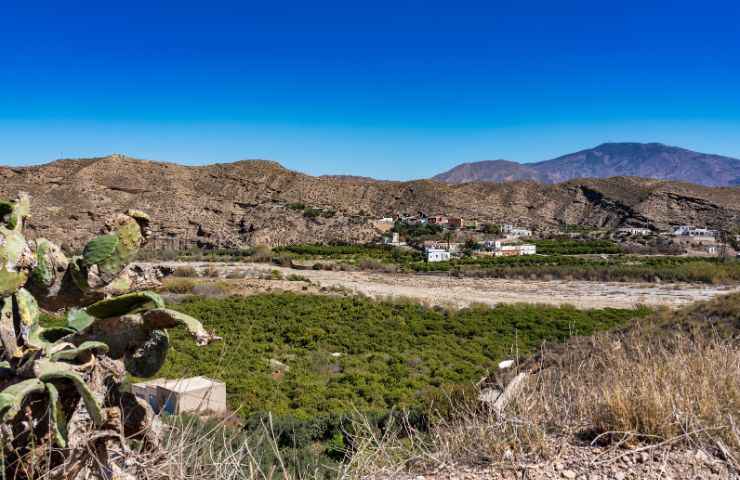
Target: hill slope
649 160
254 202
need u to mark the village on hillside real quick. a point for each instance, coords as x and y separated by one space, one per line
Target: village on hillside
443 237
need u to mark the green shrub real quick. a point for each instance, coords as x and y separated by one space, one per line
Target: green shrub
297 278
392 353
312 212
185 271
576 247
178 285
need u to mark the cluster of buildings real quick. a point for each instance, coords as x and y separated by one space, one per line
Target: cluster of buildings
444 221
509 236
691 231
508 243
693 239
439 252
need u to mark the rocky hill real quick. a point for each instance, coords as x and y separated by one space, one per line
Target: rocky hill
648 160
260 202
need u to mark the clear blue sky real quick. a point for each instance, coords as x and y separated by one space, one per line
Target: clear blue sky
395 89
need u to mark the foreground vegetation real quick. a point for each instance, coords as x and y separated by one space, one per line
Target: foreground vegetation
352 353
561 263
671 379
309 365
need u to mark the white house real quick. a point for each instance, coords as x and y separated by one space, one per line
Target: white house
501 248
437 255
515 232
634 231
689 231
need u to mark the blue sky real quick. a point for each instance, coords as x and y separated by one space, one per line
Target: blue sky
401 89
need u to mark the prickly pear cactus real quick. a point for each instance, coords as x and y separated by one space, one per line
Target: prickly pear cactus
62 406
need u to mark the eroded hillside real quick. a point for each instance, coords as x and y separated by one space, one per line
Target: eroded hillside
253 202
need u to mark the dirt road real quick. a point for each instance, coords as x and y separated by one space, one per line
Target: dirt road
461 292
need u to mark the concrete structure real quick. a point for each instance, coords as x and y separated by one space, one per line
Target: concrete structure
437 255
186 395
515 232
711 249
502 249
393 240
689 231
634 231
452 247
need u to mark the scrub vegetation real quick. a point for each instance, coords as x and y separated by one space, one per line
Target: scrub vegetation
309 365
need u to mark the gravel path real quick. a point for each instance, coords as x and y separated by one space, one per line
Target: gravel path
462 292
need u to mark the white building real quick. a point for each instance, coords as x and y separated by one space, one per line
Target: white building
392 239
437 255
501 248
185 395
634 231
515 232
689 231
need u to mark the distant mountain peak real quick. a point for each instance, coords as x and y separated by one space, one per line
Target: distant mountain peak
648 160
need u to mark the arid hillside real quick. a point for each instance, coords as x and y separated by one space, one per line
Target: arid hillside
260 202
647 160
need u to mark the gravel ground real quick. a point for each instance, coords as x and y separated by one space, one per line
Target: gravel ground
462 292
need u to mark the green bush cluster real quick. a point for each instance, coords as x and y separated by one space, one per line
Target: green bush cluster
614 269
353 254
351 355
417 231
576 247
355 353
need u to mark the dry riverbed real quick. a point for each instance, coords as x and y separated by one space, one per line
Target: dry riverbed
461 292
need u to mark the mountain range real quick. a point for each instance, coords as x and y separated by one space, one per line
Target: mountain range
647 160
260 202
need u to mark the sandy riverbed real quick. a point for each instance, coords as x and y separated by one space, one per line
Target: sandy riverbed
461 292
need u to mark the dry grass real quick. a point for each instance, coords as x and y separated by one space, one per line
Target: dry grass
637 389
194 450
185 271
673 381
178 285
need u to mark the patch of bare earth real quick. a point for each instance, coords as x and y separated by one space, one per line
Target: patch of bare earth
449 291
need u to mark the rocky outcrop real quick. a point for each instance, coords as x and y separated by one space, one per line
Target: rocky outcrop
260 202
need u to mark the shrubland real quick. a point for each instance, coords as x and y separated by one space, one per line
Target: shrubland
352 357
670 379
347 353
576 247
382 386
556 260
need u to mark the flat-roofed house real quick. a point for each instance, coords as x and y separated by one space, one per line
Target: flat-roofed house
437 255
186 395
634 231
689 231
